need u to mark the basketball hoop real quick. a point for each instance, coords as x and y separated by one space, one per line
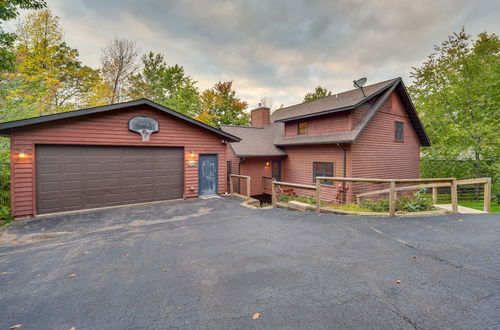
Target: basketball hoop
145 126
145 133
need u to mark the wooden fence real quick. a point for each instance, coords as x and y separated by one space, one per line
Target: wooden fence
435 185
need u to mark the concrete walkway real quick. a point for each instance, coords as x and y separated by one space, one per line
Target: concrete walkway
461 209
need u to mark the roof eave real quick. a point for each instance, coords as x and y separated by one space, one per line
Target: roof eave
289 144
7 127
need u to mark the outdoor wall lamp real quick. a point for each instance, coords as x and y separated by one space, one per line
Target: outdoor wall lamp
23 154
191 153
267 163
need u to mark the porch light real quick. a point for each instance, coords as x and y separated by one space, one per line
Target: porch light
267 163
23 154
191 153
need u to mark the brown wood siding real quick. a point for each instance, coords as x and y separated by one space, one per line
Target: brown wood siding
298 166
326 124
255 168
109 128
235 167
376 154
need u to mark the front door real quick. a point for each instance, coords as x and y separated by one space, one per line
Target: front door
207 175
276 170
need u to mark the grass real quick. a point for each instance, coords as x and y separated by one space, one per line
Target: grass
466 201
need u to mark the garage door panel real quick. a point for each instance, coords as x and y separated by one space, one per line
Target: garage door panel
79 177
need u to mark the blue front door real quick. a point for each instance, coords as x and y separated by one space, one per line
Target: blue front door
207 175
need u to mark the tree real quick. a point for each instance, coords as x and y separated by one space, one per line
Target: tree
220 106
9 9
118 63
166 85
457 94
319 92
43 56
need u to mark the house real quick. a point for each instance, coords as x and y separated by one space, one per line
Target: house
125 153
373 132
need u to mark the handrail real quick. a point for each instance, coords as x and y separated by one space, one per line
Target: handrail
374 180
294 185
240 176
231 176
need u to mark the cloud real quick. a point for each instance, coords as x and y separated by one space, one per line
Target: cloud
277 48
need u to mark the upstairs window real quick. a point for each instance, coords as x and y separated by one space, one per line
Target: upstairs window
322 169
399 134
302 127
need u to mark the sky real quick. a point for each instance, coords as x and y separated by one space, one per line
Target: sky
279 49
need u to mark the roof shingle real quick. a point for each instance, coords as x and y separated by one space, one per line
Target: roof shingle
338 102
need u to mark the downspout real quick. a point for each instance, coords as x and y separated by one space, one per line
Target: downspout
345 158
344 187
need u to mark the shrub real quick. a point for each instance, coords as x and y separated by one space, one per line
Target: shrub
4 182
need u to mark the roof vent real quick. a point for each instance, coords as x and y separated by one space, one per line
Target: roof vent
359 83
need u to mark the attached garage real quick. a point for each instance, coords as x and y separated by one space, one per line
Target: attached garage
94 158
81 177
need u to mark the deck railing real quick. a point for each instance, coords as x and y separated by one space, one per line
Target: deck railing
433 183
267 184
237 176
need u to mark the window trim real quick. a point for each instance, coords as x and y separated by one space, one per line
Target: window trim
298 127
402 139
329 183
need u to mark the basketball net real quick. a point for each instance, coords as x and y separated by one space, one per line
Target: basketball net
145 133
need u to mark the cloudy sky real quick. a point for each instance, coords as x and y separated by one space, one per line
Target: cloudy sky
280 49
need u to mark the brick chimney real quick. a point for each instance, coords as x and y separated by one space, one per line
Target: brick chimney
260 117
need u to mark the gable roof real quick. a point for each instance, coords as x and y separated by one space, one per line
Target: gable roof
8 127
350 100
256 141
334 103
266 141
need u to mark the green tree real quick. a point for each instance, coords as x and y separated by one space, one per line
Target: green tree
319 92
9 9
457 94
220 106
166 85
43 56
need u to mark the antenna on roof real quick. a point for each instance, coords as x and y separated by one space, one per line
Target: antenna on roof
359 83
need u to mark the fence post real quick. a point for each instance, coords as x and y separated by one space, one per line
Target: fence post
248 187
487 195
454 196
231 184
273 193
318 200
392 198
434 195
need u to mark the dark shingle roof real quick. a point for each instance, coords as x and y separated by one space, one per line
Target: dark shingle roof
338 102
266 141
256 141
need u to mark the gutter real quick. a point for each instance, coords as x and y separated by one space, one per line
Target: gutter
345 158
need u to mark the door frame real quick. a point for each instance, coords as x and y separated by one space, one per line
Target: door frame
280 167
216 171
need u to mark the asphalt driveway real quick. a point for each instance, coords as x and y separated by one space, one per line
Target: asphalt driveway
214 264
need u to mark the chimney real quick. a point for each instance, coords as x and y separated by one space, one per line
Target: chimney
260 116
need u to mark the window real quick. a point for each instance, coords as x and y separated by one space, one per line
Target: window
302 127
322 169
399 132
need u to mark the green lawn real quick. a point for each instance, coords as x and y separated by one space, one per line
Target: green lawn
479 206
465 201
